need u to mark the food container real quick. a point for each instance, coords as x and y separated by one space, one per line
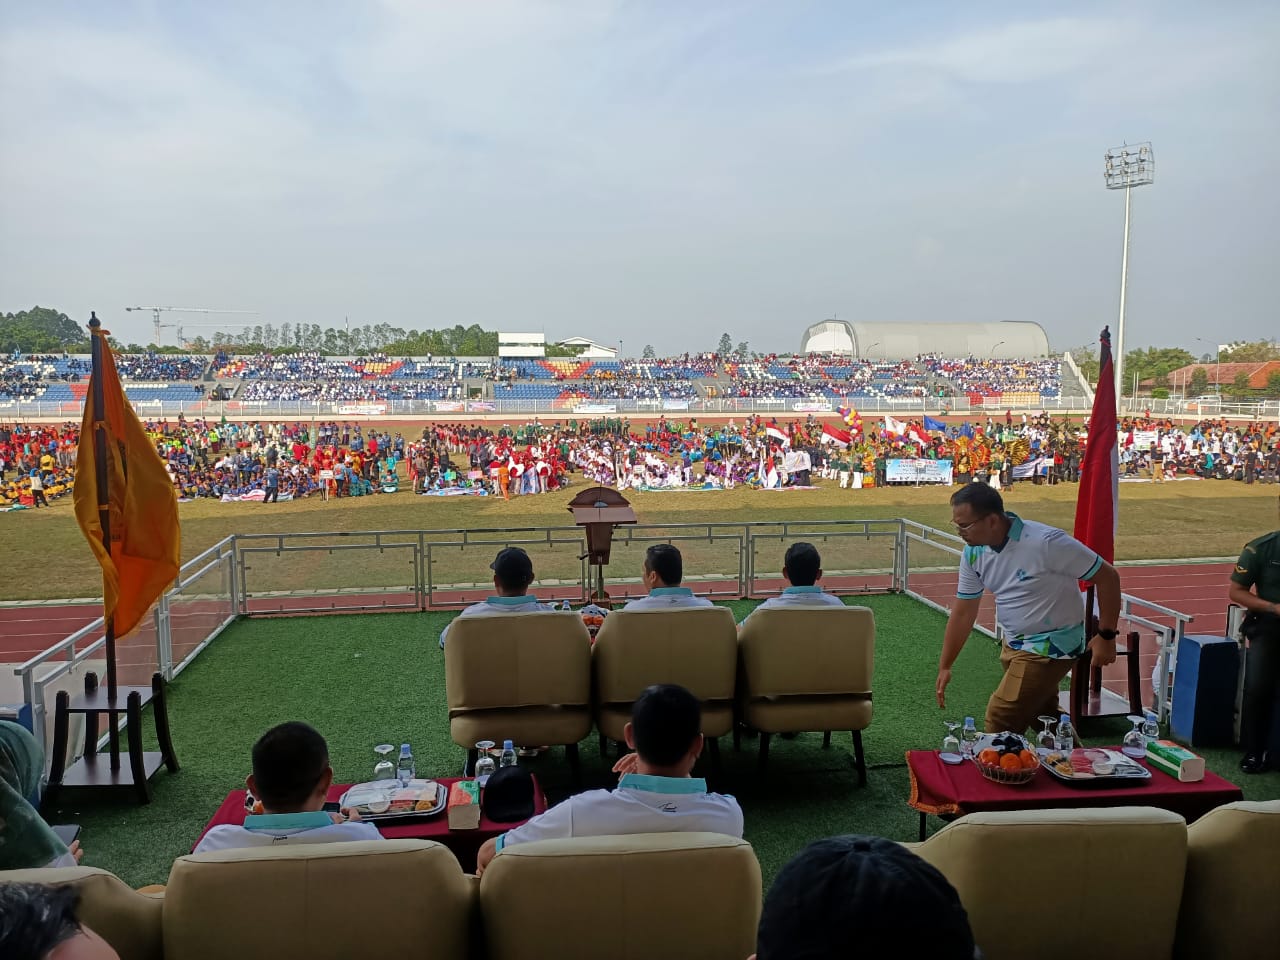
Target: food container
1003 745
388 800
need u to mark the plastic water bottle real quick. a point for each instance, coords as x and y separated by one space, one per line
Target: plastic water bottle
1151 727
968 737
565 606
405 769
508 758
1066 738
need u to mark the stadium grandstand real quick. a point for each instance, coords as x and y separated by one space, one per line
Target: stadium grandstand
968 365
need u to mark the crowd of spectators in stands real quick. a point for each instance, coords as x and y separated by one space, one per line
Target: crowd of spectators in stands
996 376
159 367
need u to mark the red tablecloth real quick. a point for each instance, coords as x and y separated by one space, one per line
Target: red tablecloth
464 843
941 789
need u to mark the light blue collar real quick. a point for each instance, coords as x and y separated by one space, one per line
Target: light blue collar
271 822
671 592
814 588
512 601
651 784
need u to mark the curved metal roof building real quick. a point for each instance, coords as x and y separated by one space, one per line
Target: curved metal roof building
1013 339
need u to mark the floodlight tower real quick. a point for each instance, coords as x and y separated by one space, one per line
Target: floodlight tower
1129 166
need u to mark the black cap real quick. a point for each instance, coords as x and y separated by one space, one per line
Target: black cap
513 566
863 895
508 796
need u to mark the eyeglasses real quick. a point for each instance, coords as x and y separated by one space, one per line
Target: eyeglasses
962 527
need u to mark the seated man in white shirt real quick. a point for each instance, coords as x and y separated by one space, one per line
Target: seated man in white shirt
291 776
802 569
512 575
663 571
655 794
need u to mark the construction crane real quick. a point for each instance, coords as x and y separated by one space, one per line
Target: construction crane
156 311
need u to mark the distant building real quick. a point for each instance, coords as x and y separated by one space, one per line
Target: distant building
1009 340
522 344
1219 374
588 349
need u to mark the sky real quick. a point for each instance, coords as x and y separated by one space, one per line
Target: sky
644 172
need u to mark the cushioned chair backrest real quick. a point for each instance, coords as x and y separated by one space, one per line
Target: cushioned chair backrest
1101 883
530 659
824 650
323 901
697 649
126 919
1229 907
668 895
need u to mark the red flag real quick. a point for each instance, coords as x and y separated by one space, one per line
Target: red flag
832 434
1098 502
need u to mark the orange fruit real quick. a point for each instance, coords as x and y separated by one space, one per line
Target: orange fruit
989 758
1029 760
1010 762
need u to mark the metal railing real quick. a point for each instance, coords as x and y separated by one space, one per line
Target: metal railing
421 570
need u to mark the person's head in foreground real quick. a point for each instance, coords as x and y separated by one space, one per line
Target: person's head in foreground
38 922
862 896
663 566
977 511
665 730
802 565
512 572
291 772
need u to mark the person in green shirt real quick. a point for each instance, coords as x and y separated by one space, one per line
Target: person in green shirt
1255 585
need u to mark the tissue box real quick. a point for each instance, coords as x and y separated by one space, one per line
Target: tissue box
1176 761
464 805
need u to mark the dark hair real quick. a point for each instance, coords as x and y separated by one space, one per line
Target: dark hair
803 563
288 762
665 720
867 895
665 560
982 499
35 918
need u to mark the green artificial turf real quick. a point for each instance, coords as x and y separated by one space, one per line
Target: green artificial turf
374 678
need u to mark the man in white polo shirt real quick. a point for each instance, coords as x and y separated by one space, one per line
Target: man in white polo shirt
291 776
656 793
512 575
802 569
663 571
1034 572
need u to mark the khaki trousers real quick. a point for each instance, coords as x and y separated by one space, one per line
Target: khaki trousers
1028 689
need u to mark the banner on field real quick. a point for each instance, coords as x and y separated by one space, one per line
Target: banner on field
481 406
675 404
1145 439
595 408
796 460
1032 468
811 406
450 406
361 409
918 470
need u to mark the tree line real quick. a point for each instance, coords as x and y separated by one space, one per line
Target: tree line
1158 363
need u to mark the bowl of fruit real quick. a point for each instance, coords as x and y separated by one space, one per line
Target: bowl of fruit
1006 758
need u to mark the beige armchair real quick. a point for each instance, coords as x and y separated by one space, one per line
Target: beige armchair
696 648
668 895
1102 883
808 669
523 677
126 919
322 900
1233 872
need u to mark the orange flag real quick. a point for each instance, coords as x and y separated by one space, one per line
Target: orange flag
145 546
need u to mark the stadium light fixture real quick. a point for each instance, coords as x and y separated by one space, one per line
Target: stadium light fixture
995 348
1128 166
872 347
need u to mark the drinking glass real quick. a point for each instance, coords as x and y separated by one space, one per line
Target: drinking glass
485 764
384 769
1046 742
1135 741
951 743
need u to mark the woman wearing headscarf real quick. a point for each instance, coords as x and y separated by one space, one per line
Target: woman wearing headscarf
26 841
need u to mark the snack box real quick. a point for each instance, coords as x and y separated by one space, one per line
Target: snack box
1175 760
464 805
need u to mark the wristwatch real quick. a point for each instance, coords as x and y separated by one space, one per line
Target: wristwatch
1108 634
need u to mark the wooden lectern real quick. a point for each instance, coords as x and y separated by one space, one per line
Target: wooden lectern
598 510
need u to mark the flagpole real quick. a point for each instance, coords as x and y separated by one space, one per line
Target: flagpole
104 494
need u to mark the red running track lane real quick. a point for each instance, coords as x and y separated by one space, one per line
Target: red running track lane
1195 589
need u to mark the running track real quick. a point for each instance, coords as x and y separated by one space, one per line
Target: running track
1196 589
